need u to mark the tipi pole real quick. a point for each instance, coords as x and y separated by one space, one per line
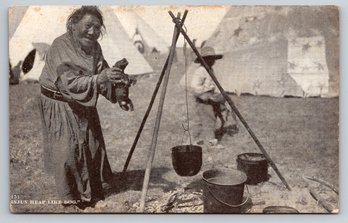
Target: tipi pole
159 115
230 102
154 94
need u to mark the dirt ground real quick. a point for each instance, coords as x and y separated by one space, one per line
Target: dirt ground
300 135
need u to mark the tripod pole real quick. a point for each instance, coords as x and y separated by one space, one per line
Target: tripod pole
145 117
230 102
159 114
148 110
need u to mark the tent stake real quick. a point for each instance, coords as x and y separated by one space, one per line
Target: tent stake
230 102
159 115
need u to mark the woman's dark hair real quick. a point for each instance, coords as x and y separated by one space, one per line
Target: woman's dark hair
78 14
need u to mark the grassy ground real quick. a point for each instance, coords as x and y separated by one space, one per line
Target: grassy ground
300 134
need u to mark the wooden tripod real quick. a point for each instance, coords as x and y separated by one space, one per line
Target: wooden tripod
165 77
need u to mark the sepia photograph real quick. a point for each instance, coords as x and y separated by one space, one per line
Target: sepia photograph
161 109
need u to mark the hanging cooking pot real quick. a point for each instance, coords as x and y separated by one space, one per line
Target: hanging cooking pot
187 159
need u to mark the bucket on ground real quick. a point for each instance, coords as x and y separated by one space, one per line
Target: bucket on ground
187 159
223 191
254 165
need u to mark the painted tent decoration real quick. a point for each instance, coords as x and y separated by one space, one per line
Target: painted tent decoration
144 37
232 28
34 62
307 65
258 47
115 42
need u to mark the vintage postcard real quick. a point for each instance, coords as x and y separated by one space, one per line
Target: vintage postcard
174 109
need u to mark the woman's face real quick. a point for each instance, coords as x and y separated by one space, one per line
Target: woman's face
87 30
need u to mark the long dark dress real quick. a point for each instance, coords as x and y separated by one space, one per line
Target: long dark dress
74 148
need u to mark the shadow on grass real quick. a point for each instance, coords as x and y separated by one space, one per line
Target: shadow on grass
196 186
133 180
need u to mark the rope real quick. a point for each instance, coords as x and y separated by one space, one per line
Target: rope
186 129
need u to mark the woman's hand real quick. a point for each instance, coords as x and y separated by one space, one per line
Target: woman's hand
113 75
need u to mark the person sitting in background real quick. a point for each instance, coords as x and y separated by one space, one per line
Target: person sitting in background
212 118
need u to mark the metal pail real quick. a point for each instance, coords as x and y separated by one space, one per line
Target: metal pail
223 191
254 165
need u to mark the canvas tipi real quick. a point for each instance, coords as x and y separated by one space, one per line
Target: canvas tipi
141 33
270 50
42 24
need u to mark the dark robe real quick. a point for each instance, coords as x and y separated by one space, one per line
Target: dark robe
74 148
